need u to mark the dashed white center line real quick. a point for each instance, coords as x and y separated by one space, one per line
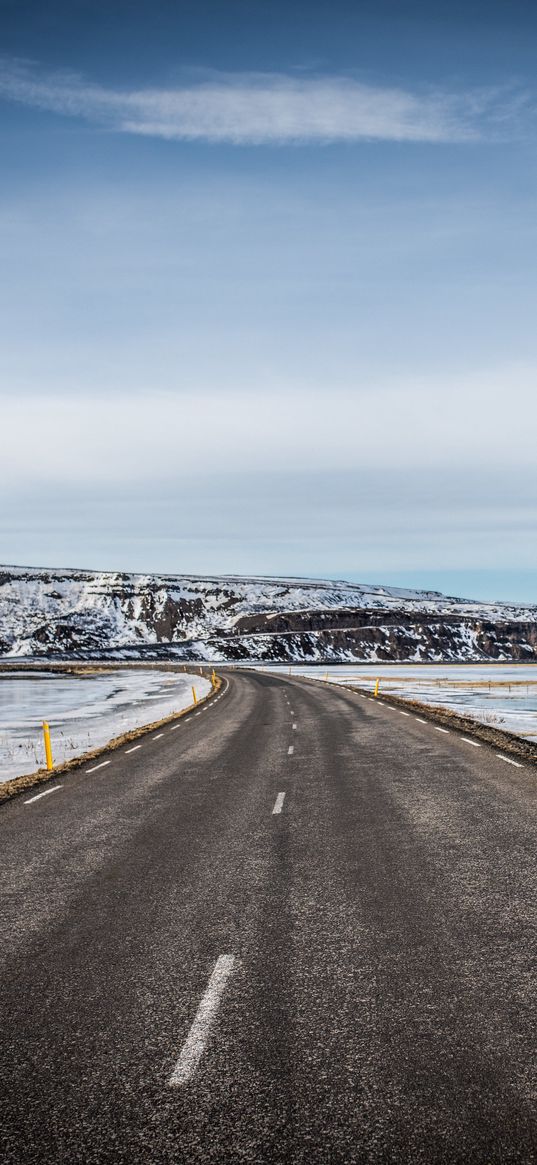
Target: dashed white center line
294 727
419 719
508 760
158 736
290 750
437 729
95 767
45 794
278 804
174 727
403 713
472 742
135 749
199 1033
380 702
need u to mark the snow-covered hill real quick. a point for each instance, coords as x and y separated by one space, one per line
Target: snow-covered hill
85 614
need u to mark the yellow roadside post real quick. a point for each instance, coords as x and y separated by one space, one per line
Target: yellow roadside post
213 678
48 749
376 692
194 694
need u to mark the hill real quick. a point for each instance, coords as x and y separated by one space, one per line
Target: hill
91 615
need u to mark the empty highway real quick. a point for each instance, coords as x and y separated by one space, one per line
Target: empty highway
296 926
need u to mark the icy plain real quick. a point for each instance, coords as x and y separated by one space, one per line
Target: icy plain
501 695
84 711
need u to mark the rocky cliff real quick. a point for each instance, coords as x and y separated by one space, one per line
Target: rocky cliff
90 615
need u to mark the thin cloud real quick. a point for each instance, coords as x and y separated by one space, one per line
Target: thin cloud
260 109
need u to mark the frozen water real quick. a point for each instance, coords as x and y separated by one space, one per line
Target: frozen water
83 711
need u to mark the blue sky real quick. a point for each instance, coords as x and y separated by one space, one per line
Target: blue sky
268 289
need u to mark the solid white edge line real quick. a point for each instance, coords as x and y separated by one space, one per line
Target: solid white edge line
135 749
472 742
278 804
437 729
290 750
95 767
508 760
45 794
198 1036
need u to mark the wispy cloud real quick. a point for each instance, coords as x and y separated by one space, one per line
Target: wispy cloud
259 108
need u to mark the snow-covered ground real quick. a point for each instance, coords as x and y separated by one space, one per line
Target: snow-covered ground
83 711
502 695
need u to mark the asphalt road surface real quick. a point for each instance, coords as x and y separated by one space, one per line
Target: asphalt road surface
299 927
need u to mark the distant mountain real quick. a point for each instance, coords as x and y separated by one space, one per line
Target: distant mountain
88 615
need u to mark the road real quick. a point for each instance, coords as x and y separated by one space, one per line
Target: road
298 927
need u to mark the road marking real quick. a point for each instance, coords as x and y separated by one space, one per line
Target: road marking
45 794
198 1036
174 727
472 742
402 713
420 721
101 766
290 750
508 760
380 702
135 749
294 727
278 804
158 736
437 729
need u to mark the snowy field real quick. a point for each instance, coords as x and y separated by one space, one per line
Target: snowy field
502 695
83 711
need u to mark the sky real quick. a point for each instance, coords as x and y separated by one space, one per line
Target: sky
268 289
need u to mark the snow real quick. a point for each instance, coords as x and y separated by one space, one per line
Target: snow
84 711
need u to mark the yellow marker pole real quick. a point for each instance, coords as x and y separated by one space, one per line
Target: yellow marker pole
194 694
376 692
48 749
213 678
